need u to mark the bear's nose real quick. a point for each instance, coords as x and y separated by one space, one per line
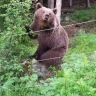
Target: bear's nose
46 16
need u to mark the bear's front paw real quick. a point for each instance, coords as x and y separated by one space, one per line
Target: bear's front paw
30 57
27 29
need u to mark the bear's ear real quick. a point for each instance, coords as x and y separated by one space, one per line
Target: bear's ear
55 10
38 5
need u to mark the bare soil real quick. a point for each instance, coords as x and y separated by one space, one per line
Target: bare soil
72 30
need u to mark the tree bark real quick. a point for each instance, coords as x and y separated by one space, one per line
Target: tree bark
88 3
58 6
71 3
51 4
41 2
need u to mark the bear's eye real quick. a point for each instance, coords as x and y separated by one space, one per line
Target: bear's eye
49 13
43 12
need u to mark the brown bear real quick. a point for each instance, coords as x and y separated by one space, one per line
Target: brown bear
52 38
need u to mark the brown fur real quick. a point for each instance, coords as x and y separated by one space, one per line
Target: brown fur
53 43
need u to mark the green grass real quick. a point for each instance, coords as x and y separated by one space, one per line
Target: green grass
84 14
85 43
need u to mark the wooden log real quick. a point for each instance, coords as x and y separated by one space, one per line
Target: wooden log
67 10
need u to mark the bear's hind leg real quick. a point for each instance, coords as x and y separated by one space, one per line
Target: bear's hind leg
53 57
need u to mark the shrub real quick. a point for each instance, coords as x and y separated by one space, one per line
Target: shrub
14 43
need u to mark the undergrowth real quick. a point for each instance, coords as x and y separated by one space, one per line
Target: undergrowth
77 76
83 43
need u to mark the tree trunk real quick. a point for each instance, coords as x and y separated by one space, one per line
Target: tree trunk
71 3
87 3
58 6
41 2
51 4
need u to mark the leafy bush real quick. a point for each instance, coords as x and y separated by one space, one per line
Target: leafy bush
14 37
14 43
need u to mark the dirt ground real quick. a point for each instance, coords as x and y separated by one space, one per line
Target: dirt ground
73 29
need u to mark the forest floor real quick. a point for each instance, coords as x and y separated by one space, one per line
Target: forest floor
87 28
80 16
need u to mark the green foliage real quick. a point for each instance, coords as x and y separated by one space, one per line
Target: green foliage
81 32
76 78
17 15
83 43
14 43
2 11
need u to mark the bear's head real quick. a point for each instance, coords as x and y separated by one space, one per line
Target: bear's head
44 18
